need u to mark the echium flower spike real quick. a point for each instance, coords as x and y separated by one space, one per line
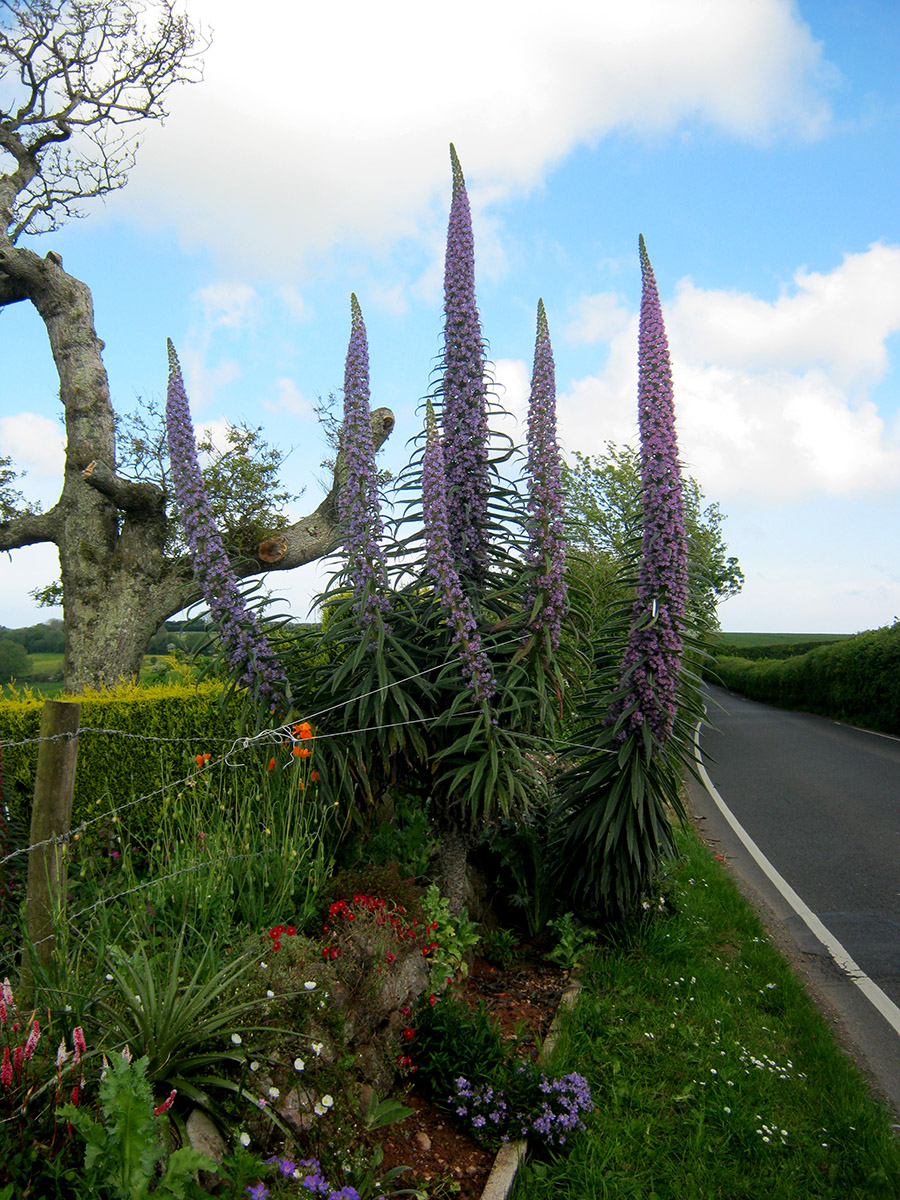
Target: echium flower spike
454 601
358 505
652 660
243 641
464 394
546 593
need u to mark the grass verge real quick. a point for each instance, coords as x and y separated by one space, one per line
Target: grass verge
713 1073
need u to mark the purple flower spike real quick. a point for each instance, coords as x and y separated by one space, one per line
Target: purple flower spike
464 408
454 601
652 660
243 641
358 504
546 591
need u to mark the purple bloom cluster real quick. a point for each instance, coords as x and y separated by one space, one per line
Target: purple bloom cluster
464 408
314 1181
547 1109
243 641
652 660
456 604
358 506
547 544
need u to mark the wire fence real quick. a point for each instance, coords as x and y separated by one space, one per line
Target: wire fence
233 756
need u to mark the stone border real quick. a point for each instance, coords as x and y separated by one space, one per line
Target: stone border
506 1164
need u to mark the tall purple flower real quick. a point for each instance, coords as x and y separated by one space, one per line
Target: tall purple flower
456 605
358 505
243 641
546 593
652 660
464 392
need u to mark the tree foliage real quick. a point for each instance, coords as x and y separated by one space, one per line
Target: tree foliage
603 520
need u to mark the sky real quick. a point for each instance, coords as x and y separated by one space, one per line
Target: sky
754 143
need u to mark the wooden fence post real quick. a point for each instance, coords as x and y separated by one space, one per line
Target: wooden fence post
51 817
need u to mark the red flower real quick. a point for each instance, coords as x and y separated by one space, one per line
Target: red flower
314 777
166 1104
271 766
409 1034
432 1000
291 930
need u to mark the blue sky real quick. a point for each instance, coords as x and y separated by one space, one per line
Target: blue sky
754 143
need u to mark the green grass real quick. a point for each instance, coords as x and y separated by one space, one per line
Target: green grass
742 640
712 1073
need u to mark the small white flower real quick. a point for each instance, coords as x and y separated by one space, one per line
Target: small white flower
318 1109
274 1093
254 1066
109 978
327 1101
310 985
317 1048
299 1064
236 1039
270 994
264 965
245 1139
727 1109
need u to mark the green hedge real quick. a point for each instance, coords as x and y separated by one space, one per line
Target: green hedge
853 680
111 769
776 650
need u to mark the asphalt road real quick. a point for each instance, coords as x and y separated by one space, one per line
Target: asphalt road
821 801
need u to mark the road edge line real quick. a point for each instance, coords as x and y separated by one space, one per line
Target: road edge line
873 993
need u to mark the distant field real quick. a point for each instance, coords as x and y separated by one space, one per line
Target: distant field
779 639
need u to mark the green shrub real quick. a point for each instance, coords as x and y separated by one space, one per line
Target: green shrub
114 769
851 680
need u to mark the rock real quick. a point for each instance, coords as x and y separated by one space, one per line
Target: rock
423 1139
203 1134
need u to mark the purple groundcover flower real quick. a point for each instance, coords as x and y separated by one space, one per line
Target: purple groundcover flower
243 641
463 407
652 660
547 544
358 506
454 601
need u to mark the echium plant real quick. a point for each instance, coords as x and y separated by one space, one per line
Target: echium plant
652 659
546 594
248 653
440 565
358 507
638 715
464 394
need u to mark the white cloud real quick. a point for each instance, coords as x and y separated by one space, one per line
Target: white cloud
328 123
229 305
770 396
290 399
839 320
601 316
37 445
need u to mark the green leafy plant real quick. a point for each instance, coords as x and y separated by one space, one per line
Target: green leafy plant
450 1039
190 1027
380 1113
574 942
455 937
500 946
125 1146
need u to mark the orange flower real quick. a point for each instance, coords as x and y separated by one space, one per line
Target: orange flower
271 766
314 777
303 730
301 752
201 760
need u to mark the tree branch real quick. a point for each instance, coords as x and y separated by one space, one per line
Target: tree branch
126 495
317 534
27 529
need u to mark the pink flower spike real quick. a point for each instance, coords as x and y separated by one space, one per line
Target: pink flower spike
6 1072
79 1042
8 994
166 1104
33 1038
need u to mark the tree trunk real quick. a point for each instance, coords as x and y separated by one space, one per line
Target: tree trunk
118 585
453 856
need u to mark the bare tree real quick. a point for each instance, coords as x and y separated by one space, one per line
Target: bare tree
82 75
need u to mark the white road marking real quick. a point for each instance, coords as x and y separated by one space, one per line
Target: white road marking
868 987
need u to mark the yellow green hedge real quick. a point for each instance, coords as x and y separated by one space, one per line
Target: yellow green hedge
114 769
